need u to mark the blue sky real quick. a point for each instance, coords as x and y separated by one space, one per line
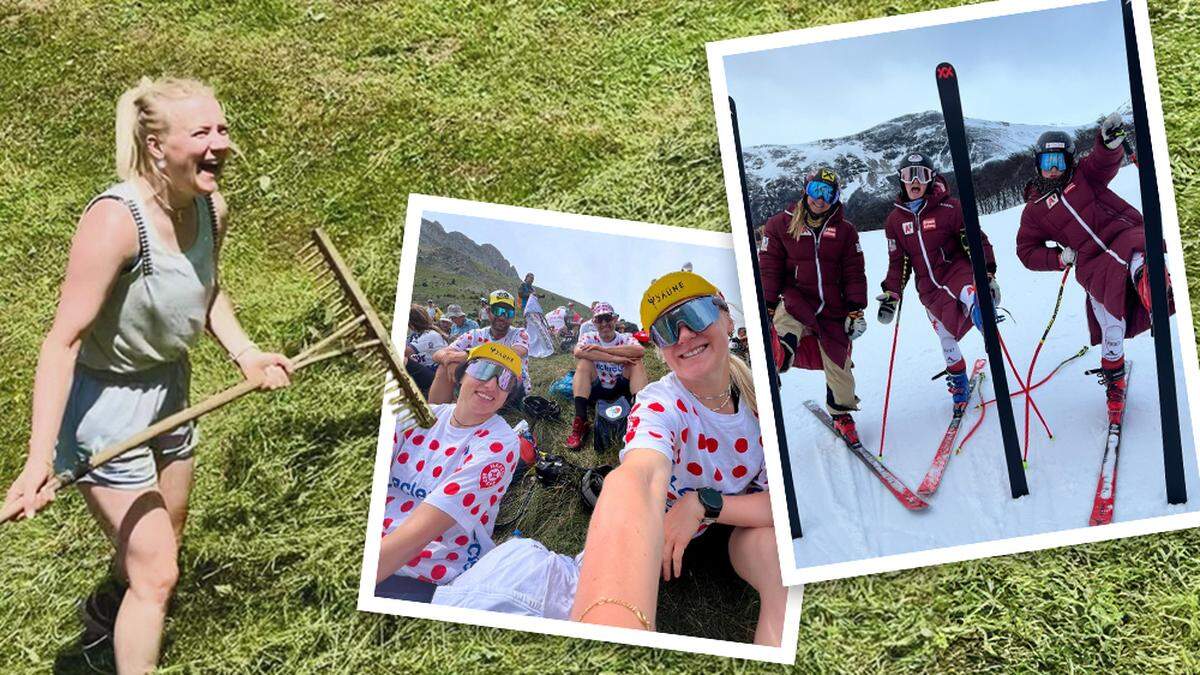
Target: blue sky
591 266
1062 65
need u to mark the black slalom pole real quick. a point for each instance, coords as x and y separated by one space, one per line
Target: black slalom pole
1168 404
947 84
785 460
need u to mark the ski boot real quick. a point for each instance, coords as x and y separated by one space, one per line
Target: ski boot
843 423
957 383
1112 376
579 431
782 352
1141 282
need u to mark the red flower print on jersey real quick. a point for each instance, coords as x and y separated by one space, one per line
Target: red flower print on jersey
482 432
418 439
509 457
475 511
452 489
711 445
491 475
437 471
450 450
408 433
654 434
390 500
492 500
468 499
701 441
407 506
414 562
629 436
741 445
694 469
484 519
739 471
634 421
635 407
681 405
387 522
452 556
402 458
496 447
437 572
434 444
684 434
420 465
461 540
657 407
717 475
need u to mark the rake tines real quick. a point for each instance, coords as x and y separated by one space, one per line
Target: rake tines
338 288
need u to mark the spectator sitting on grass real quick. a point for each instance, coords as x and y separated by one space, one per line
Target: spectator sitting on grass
424 340
446 482
459 323
608 365
503 307
694 451
589 326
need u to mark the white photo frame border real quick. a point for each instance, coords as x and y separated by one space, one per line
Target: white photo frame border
418 205
716 52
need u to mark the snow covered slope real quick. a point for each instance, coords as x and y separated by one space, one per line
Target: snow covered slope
848 515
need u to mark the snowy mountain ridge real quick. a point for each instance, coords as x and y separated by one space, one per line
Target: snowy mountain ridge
866 162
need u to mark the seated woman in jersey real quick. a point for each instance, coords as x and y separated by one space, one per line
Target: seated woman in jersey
692 482
446 481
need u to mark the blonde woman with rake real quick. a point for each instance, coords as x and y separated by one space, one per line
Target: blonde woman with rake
691 490
141 286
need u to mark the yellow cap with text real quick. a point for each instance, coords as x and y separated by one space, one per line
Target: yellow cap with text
671 289
502 354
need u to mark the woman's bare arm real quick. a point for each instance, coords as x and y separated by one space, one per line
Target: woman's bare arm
622 557
409 538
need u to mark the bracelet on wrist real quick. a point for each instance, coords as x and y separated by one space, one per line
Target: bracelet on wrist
242 352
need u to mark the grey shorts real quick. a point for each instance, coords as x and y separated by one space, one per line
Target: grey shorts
105 408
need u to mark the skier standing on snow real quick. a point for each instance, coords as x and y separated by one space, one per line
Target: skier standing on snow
925 228
810 259
1069 204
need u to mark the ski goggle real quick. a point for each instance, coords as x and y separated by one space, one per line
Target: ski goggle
503 311
697 314
485 369
1052 160
820 190
918 174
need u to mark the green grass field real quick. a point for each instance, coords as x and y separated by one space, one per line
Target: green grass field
341 110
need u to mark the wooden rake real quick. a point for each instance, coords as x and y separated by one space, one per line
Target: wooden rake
359 332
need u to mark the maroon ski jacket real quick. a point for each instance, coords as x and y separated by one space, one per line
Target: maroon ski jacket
932 241
820 276
1104 230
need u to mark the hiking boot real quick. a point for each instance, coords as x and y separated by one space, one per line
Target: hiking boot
1112 376
957 383
843 423
579 431
98 613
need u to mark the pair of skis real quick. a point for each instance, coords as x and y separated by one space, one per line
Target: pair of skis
909 499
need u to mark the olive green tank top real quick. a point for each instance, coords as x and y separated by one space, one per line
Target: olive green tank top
158 307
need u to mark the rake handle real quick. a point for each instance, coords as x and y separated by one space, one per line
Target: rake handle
142 437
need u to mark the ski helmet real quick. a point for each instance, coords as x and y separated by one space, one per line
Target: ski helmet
917 159
826 175
1054 141
592 483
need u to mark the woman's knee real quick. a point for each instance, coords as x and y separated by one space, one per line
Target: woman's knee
153 577
755 558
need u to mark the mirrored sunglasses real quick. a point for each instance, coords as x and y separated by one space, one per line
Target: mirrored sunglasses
697 314
503 311
486 369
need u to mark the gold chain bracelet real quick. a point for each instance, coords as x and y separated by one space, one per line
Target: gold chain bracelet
641 616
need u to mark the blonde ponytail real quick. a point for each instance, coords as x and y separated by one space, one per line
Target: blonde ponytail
142 112
743 381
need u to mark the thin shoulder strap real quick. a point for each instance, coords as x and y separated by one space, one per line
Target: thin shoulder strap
139 220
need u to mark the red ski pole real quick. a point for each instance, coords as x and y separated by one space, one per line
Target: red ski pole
1028 393
1038 350
887 392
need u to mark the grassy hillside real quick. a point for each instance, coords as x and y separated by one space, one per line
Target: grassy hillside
341 110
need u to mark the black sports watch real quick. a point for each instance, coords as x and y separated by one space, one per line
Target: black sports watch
712 501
